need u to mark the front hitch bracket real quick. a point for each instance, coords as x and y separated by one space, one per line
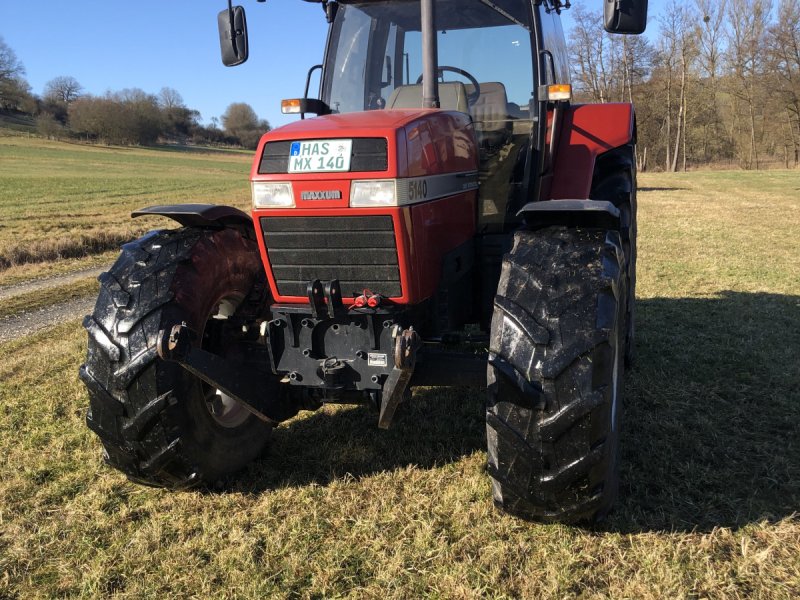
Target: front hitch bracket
407 343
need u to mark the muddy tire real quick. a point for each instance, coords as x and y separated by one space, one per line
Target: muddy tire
614 180
160 425
555 375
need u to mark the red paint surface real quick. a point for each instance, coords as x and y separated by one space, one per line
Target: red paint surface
587 130
419 143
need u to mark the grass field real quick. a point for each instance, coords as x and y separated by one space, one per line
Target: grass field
710 452
71 201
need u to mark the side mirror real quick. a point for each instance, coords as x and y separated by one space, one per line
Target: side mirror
625 16
233 35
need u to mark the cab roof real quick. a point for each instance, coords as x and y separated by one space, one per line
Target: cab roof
450 14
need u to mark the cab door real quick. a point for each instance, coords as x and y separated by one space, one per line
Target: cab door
553 69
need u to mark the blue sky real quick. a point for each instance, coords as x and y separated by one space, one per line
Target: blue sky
149 44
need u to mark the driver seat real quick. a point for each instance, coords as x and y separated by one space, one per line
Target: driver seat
452 96
490 113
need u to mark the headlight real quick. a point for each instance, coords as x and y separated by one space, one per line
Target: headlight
373 192
272 195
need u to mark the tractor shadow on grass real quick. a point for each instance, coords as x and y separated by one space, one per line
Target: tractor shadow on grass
437 427
712 414
710 428
662 189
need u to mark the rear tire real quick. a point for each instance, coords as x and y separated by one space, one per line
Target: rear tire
159 424
555 375
614 180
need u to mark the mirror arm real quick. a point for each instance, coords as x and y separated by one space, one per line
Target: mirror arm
233 26
308 78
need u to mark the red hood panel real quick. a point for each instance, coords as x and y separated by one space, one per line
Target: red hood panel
377 122
423 144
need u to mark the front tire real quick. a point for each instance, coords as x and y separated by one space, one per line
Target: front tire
159 424
555 375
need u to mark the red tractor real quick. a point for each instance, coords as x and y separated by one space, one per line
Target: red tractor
447 196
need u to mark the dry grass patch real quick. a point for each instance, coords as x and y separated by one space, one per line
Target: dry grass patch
98 242
36 271
711 465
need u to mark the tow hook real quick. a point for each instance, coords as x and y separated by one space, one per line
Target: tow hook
331 370
407 342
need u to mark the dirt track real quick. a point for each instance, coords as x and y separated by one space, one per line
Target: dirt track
20 325
9 291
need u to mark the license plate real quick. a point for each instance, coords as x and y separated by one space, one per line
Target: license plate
320 156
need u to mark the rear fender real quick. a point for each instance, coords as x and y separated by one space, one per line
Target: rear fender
587 131
206 216
571 213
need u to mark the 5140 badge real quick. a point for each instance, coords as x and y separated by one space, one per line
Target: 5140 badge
320 156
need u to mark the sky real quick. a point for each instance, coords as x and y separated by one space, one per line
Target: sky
109 45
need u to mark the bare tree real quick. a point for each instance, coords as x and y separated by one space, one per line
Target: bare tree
179 120
710 34
10 66
724 82
14 89
749 22
588 65
668 52
64 89
678 52
169 98
784 58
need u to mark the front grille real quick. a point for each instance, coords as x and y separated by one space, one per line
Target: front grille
369 155
358 251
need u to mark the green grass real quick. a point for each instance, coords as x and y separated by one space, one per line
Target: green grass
710 457
61 200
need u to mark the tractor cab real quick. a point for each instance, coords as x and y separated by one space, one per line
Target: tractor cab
485 69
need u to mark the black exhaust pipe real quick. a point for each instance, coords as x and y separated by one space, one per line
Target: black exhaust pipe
430 56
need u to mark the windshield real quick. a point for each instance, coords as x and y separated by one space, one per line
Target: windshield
376 47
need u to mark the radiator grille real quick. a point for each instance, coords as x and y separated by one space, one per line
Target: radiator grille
358 251
369 155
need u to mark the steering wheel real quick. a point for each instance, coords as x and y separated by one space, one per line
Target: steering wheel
472 97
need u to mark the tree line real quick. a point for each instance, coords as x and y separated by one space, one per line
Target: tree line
126 117
720 83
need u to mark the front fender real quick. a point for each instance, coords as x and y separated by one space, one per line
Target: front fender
206 216
587 131
571 213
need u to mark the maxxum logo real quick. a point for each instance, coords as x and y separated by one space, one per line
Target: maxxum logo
326 195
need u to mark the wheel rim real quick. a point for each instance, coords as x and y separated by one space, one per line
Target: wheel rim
224 410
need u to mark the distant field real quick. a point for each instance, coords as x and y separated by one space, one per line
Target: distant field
61 200
710 452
